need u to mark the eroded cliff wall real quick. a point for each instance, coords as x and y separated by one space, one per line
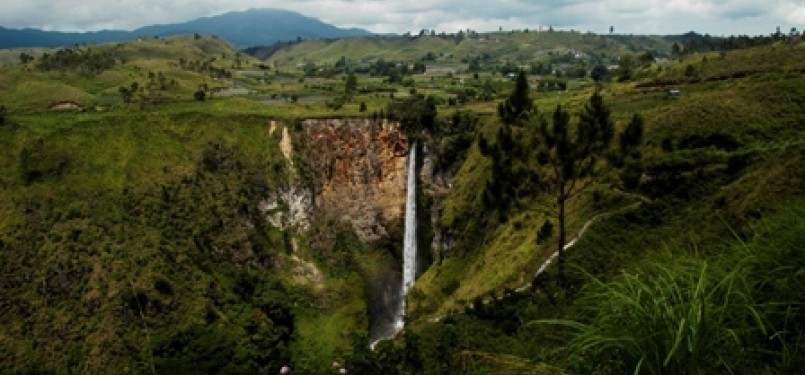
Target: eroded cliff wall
360 169
357 176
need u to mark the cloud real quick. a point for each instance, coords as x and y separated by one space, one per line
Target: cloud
793 14
718 17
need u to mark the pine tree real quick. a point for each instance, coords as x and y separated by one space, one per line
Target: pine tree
508 151
351 84
518 106
574 161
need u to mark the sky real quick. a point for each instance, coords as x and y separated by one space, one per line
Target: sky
715 17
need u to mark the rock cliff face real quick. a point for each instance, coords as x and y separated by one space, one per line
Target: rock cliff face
290 205
435 184
359 178
360 164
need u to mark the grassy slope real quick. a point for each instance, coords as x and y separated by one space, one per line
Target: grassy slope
759 110
26 88
114 158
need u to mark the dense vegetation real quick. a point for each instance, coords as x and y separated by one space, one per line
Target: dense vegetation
673 286
131 239
86 62
151 270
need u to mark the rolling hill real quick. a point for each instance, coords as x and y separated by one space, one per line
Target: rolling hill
516 47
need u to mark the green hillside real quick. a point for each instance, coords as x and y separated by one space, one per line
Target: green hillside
132 242
721 168
131 239
130 236
521 47
92 75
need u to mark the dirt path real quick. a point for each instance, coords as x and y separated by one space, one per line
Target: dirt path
544 266
640 200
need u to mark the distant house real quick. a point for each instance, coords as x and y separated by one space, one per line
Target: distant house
673 93
66 105
578 54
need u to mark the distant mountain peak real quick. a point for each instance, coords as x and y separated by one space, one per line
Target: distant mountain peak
252 27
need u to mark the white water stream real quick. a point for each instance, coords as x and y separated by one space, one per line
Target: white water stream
409 250
409 238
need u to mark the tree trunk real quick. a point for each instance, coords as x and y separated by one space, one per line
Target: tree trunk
561 202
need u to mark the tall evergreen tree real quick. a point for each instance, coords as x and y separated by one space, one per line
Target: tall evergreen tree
500 190
676 50
574 161
518 106
508 152
351 84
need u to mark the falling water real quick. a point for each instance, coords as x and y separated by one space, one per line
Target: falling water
389 328
409 239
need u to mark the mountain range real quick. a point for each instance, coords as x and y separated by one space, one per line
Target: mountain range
253 27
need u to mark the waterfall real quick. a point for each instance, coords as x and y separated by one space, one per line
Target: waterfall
409 237
389 328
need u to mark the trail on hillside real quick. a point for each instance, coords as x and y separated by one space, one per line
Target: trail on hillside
544 266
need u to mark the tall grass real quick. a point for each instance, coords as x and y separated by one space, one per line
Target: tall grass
661 320
775 262
740 312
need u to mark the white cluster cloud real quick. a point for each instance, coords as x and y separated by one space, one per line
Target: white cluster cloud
717 17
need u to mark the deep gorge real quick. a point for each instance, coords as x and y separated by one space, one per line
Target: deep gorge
354 171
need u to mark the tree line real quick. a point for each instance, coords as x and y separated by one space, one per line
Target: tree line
692 42
87 62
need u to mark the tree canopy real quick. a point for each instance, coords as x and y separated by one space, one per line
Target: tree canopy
415 113
351 83
518 106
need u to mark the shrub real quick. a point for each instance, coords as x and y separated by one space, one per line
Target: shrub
415 113
690 71
545 231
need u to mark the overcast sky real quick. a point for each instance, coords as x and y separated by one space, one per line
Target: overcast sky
716 17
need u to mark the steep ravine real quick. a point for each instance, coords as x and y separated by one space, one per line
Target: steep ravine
353 172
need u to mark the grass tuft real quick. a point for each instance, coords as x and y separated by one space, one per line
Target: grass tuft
736 313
